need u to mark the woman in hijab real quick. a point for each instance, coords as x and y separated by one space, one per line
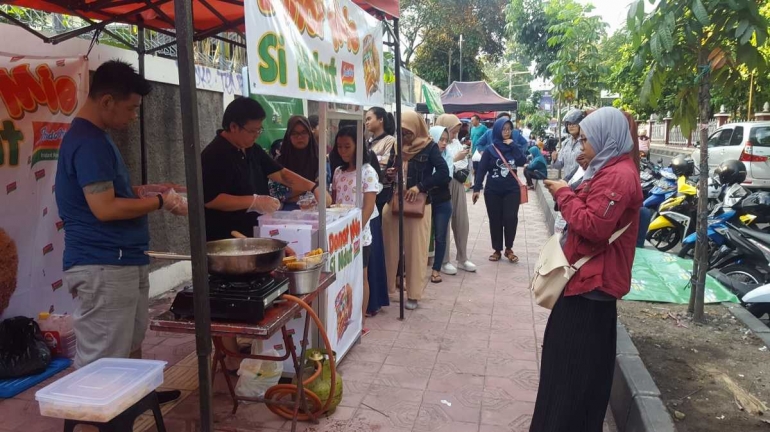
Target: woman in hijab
501 194
425 172
578 357
537 168
299 153
441 206
460 172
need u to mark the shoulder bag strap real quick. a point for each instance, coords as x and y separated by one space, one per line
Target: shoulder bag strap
513 172
581 262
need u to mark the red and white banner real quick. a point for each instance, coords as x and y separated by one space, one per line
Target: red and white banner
38 99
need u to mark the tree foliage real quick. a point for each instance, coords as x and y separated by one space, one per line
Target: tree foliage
497 76
561 39
431 28
694 43
527 25
577 69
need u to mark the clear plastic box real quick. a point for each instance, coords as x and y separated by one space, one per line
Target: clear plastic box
102 390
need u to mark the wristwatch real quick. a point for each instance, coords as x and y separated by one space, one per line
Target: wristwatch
160 201
315 186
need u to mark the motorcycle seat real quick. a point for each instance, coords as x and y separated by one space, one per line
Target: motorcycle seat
758 235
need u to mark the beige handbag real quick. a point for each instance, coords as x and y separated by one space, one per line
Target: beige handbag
553 271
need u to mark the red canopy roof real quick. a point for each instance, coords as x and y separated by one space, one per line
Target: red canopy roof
210 16
389 7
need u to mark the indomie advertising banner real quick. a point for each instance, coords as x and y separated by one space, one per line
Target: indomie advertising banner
38 99
325 50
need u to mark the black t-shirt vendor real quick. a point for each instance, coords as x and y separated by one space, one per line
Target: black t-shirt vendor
236 171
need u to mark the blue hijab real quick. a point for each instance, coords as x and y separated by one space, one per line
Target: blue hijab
510 151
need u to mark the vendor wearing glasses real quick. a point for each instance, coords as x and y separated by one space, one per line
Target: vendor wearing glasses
235 181
236 174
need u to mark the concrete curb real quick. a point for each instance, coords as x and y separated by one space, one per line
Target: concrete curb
756 326
635 399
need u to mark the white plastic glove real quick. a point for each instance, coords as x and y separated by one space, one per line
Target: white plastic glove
264 204
174 203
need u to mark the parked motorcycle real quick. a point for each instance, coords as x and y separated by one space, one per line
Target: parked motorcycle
754 297
730 174
677 214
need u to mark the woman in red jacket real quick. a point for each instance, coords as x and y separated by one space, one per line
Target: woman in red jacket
578 358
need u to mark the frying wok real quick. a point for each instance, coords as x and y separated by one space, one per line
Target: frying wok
237 256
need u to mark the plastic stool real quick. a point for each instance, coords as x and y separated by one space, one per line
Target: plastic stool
124 422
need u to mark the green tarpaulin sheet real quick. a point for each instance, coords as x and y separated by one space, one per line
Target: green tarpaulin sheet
665 278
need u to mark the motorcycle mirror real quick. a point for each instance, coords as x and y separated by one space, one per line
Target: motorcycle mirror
660 161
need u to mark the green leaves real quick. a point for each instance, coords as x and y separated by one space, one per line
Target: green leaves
700 13
741 29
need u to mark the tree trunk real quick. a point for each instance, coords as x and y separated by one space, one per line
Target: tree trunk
701 248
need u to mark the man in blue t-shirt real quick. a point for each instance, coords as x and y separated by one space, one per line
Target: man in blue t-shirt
105 220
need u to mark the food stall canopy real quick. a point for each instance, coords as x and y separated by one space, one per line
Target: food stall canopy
374 7
210 17
472 96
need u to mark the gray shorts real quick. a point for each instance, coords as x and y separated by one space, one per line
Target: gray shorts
111 312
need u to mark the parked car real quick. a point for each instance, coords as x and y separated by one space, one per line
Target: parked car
748 142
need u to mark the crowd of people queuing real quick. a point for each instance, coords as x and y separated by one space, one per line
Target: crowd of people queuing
598 197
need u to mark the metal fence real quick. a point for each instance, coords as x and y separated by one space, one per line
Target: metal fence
675 136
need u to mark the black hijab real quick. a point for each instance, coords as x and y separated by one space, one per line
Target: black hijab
305 161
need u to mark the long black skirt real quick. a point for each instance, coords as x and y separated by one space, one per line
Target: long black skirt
378 275
577 366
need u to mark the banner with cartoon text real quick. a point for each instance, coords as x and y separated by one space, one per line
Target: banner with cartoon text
38 99
324 50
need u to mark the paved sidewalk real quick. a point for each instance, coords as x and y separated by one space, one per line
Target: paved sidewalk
466 361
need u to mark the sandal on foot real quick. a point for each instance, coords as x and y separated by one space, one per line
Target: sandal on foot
495 256
511 256
436 279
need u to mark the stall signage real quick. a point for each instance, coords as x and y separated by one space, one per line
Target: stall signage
38 99
344 245
344 297
325 50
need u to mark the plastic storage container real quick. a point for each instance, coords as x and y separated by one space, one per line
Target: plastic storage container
101 390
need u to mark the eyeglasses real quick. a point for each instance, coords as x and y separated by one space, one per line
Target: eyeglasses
406 133
644 138
299 134
253 132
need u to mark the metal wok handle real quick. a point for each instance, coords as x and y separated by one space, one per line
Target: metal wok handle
168 256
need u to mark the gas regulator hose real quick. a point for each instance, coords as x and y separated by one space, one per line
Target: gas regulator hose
281 392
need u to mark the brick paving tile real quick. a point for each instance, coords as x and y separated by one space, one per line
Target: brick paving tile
466 360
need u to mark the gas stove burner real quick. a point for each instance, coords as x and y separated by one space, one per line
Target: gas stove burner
242 299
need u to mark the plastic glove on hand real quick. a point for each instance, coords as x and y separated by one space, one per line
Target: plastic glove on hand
264 204
174 203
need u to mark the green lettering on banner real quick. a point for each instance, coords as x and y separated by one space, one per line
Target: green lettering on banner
316 76
272 68
9 134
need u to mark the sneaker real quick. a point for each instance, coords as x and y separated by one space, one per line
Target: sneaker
467 266
449 269
411 304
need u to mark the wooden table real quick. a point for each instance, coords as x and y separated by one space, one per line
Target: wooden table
276 318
